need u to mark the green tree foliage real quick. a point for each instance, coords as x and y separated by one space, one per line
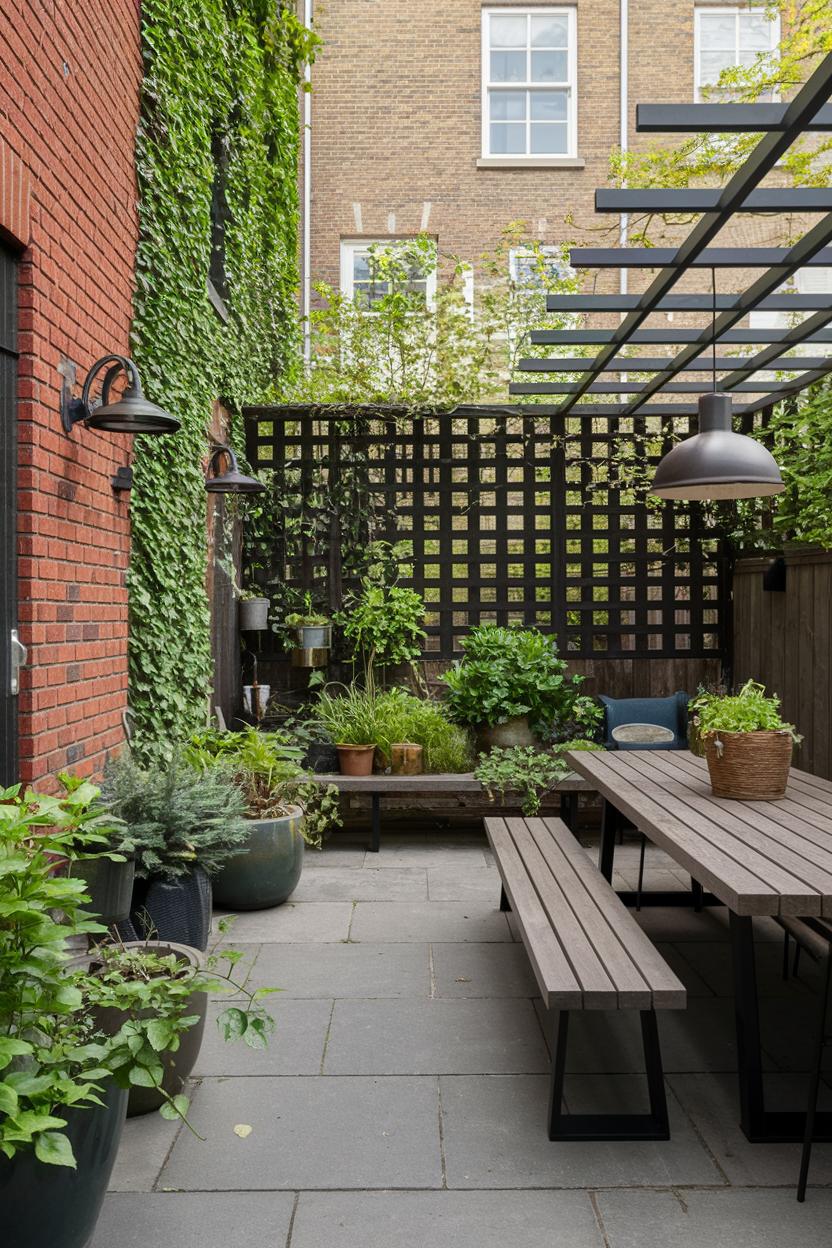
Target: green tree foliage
219 122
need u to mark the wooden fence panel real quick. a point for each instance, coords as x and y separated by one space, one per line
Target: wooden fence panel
784 639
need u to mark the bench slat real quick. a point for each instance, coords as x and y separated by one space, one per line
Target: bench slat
556 980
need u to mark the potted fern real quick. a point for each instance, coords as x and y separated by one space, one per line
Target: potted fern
748 745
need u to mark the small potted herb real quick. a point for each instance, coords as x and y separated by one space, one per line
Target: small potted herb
184 825
254 612
311 630
511 687
283 809
748 745
350 721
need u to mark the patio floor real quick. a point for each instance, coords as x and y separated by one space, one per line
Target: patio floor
403 1098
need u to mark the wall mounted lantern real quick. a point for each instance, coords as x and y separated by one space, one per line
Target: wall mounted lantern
132 413
231 481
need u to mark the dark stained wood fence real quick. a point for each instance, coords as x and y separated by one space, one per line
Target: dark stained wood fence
784 639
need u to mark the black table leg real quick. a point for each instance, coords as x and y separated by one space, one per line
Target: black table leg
758 1123
609 826
569 810
375 825
505 904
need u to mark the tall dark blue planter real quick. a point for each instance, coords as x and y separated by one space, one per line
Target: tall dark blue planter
176 910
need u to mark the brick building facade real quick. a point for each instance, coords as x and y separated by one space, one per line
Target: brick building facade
69 99
400 138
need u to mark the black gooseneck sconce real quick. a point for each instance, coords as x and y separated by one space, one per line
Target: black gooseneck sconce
231 481
132 413
717 463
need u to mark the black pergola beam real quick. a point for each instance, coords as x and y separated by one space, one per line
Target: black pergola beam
669 257
670 336
686 303
724 119
670 387
687 200
667 364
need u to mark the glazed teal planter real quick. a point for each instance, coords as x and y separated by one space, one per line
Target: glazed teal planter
55 1206
267 870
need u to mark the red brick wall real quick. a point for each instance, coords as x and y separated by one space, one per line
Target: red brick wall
69 86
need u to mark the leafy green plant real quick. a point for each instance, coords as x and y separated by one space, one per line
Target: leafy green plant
521 771
749 710
387 717
218 128
266 769
383 621
510 672
579 743
177 817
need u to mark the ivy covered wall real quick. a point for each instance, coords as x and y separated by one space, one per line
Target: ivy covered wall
219 123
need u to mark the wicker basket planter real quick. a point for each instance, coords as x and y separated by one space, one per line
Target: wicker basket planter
749 766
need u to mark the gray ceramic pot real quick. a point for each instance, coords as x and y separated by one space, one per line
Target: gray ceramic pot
109 884
254 615
314 636
267 870
513 732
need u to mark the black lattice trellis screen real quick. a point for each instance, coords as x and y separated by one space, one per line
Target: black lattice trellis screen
512 517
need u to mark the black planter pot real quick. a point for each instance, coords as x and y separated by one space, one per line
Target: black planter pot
110 885
55 1206
171 910
321 756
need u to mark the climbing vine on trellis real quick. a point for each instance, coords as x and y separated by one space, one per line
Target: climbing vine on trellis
219 92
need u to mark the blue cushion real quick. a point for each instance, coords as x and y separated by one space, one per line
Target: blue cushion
669 713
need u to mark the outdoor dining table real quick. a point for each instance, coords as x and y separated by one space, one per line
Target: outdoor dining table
757 858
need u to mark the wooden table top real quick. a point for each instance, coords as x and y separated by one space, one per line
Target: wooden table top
759 858
433 782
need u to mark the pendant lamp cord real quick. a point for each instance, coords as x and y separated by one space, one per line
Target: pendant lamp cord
713 323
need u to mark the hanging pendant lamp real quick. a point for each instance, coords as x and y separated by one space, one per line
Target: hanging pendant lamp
717 463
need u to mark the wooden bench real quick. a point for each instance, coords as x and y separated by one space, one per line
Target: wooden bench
588 953
438 783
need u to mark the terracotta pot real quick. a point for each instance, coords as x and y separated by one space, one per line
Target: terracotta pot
749 766
356 760
513 732
267 869
406 759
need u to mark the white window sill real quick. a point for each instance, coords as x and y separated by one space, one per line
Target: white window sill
530 162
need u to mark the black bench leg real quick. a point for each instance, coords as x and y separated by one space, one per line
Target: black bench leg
609 827
651 1126
375 826
505 904
569 811
697 893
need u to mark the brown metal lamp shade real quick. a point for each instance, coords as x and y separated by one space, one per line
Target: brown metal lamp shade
132 413
717 463
232 481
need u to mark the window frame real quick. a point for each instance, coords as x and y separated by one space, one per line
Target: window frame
509 158
348 248
733 10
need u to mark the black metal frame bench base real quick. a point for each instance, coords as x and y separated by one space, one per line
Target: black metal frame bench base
651 1126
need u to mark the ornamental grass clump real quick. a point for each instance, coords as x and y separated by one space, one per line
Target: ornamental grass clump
394 716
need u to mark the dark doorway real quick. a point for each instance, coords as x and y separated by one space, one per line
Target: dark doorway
9 648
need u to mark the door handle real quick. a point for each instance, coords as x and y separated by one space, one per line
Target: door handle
19 656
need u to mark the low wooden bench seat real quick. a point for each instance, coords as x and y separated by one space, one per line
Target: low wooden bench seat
436 783
588 953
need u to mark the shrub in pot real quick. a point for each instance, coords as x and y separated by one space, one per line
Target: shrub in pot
526 773
748 745
184 825
512 688
284 810
383 621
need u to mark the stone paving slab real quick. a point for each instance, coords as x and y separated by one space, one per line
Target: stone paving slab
434 1037
345 884
494 1130
296 1046
293 921
716 1219
464 883
712 1101
442 921
195 1220
445 1220
145 1143
482 970
674 956
310 1133
439 850
349 970
712 962
339 851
